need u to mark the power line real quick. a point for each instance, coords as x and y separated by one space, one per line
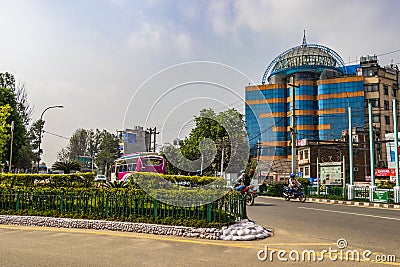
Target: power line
56 135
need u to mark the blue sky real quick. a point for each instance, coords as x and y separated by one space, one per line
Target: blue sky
92 56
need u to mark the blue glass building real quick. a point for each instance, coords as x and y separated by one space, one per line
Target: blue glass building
324 89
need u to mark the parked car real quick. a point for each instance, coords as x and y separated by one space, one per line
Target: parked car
100 178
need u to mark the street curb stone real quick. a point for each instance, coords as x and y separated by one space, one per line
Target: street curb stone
347 202
355 203
243 230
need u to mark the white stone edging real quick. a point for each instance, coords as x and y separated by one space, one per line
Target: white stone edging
240 231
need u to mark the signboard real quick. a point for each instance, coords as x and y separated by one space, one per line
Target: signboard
391 147
313 181
385 172
331 175
380 196
361 192
130 138
302 142
84 159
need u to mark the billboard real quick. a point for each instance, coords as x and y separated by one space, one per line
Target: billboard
385 172
390 148
331 175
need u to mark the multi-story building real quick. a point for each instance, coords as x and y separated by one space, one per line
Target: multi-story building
133 140
324 88
381 85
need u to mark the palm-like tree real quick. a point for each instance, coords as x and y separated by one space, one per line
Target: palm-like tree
66 166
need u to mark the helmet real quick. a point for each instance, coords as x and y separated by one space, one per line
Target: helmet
292 175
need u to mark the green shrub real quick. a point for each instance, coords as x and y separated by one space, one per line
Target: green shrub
304 181
263 189
385 184
275 190
10 180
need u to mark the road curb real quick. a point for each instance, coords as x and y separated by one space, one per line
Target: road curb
355 203
348 202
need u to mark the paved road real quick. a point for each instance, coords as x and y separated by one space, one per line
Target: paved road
297 227
369 228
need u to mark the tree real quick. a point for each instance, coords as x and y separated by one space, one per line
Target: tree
16 97
63 154
101 146
5 112
25 157
78 144
34 132
7 81
66 166
108 149
226 130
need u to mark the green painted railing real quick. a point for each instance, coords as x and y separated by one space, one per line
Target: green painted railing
340 193
102 205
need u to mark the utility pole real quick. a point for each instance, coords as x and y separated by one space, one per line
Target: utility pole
152 134
396 152
351 185
294 126
155 138
149 133
371 144
11 146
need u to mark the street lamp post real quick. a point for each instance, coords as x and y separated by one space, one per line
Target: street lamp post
40 132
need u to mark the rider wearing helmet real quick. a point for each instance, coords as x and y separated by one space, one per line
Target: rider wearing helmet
293 183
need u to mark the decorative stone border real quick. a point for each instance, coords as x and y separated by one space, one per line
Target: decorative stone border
240 231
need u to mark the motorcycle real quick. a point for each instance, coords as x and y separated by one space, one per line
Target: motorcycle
249 192
296 192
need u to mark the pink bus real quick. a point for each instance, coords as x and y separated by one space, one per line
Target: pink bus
137 162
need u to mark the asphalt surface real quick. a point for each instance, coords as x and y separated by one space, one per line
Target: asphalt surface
375 229
297 227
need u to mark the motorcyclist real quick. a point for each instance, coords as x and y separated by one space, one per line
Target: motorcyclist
293 183
241 182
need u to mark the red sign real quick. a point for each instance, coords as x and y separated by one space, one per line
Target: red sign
385 172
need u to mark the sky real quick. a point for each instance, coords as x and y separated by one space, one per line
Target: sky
114 64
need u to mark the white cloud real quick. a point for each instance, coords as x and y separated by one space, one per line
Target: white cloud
218 14
184 44
147 37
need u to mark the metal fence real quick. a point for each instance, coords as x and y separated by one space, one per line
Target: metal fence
103 205
340 193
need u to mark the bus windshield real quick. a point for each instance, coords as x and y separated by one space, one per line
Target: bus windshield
138 162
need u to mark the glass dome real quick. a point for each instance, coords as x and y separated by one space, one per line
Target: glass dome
305 57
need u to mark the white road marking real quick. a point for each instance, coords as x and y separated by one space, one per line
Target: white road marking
352 213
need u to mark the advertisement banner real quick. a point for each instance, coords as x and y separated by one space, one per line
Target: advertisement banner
385 172
331 175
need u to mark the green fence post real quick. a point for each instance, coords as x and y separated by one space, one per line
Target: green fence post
155 208
61 201
106 204
244 211
17 202
208 211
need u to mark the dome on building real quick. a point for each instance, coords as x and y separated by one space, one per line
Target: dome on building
304 58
